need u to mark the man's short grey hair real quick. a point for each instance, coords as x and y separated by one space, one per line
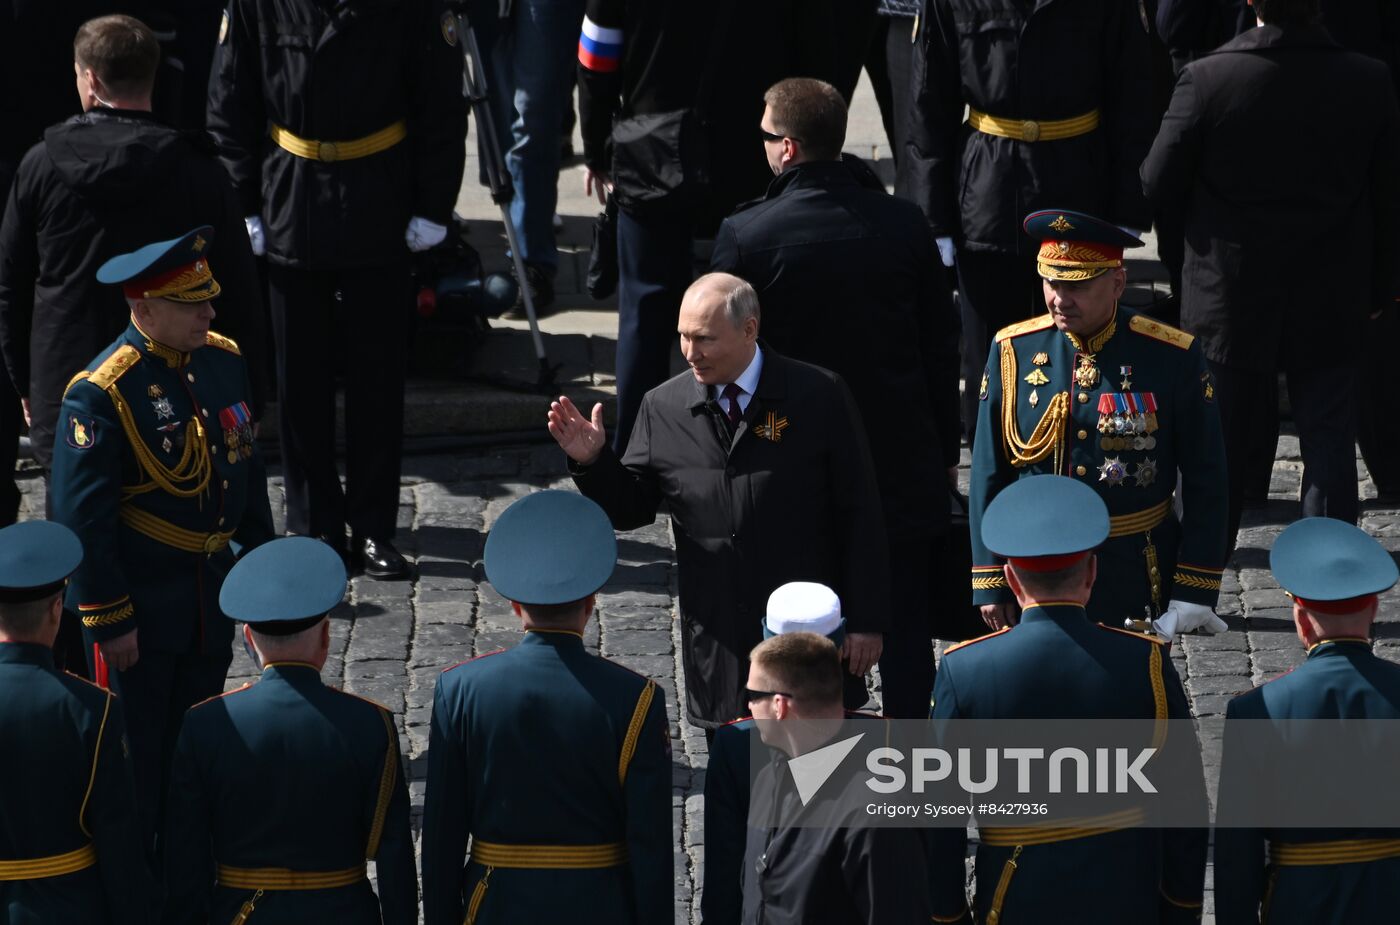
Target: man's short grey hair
740 298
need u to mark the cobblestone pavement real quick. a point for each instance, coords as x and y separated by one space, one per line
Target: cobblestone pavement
392 639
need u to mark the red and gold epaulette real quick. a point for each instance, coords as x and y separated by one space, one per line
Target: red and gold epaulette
1151 327
474 658
1145 637
1025 327
967 642
737 720
247 685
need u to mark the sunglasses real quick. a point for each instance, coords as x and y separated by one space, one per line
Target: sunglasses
773 136
751 695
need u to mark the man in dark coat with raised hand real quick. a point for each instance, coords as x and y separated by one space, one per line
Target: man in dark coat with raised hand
1262 191
763 463
849 280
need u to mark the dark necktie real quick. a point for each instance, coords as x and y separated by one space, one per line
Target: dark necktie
733 413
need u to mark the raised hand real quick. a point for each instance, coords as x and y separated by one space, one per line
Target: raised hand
580 438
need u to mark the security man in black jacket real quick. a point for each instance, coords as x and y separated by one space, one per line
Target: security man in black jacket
849 281
343 127
1059 94
100 184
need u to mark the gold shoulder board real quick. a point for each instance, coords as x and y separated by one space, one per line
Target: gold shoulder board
1145 637
1025 327
968 642
115 366
74 381
1151 327
222 342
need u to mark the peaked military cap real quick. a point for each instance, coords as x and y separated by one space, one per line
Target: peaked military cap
1075 246
1043 523
36 558
550 547
177 269
804 607
1331 566
284 586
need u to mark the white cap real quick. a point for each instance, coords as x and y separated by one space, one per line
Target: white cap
803 606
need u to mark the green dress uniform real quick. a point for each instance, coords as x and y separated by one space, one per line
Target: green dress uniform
1125 410
69 842
156 470
554 762
1314 876
1056 663
323 767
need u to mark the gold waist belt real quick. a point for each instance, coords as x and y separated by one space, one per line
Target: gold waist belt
548 857
1012 836
1141 522
328 152
53 866
280 878
1316 854
163 531
1030 129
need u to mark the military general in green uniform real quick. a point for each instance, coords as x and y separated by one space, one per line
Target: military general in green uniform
1118 401
69 842
556 763
1314 876
155 469
281 790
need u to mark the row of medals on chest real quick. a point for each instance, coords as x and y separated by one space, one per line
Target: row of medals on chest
1127 420
238 440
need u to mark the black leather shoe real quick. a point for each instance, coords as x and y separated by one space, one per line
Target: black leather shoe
381 560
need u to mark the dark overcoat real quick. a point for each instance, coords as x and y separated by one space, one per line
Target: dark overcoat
849 279
1262 187
791 497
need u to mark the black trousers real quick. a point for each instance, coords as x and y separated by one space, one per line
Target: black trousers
1378 428
995 289
655 268
353 322
855 27
155 693
11 420
888 64
1323 411
906 661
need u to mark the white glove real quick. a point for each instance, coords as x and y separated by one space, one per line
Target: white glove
946 250
256 239
1181 617
423 234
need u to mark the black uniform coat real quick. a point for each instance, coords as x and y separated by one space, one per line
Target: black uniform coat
1051 60
101 184
824 863
849 280
1263 189
324 769
666 45
792 497
339 72
68 782
1339 679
